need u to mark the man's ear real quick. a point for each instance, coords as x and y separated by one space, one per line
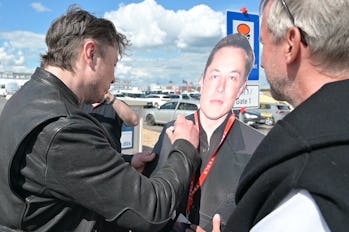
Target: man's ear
292 45
241 89
90 53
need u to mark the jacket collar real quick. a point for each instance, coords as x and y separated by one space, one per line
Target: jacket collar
49 79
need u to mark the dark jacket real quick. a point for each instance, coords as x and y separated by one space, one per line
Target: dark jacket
107 116
60 171
308 149
217 194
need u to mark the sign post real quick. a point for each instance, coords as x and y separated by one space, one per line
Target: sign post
248 25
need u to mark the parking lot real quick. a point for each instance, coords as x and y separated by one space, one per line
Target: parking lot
151 133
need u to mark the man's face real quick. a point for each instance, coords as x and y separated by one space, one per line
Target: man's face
273 60
223 82
103 74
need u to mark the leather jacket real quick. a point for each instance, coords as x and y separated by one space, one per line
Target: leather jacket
60 171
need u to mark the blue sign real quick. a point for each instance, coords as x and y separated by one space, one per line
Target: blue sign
247 24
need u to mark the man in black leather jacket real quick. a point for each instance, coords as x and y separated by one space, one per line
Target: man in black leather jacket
59 167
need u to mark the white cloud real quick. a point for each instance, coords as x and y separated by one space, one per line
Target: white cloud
39 7
148 24
199 25
12 62
140 22
20 50
24 39
179 40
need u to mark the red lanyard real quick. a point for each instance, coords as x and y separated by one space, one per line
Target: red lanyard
193 189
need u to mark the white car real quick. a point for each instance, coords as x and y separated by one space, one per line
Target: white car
134 99
158 99
170 110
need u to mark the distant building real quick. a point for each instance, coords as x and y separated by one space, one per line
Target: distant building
10 82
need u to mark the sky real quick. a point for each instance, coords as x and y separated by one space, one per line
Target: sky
171 39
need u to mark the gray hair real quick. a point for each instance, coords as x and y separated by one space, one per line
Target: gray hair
325 25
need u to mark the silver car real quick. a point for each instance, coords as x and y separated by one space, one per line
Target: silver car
170 110
272 112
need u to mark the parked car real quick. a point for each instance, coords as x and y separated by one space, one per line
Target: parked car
191 96
253 119
11 88
2 90
272 112
169 111
158 100
174 96
131 97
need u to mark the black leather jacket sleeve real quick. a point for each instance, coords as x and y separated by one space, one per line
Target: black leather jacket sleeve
82 167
